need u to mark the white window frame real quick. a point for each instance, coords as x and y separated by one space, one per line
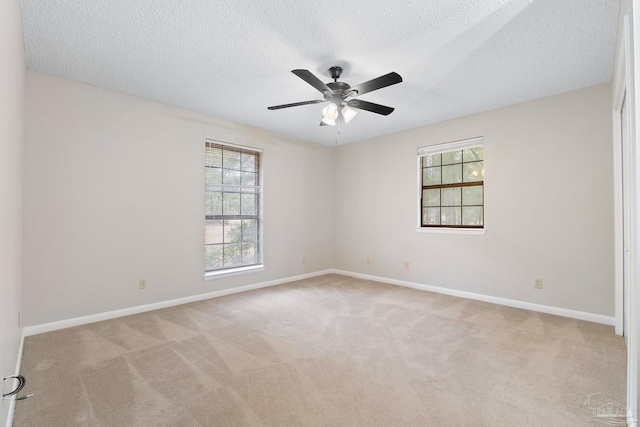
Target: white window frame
246 269
437 149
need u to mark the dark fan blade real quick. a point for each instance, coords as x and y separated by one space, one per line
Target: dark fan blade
378 83
370 106
296 104
312 80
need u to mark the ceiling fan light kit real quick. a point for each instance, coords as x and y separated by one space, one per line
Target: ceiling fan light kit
336 93
348 113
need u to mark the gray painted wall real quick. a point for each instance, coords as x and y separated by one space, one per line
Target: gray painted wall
12 113
114 193
121 183
549 205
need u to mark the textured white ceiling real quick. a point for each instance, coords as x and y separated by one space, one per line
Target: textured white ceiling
233 58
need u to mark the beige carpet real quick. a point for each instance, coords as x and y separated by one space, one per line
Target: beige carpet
328 351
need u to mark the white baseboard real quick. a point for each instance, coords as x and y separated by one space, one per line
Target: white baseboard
564 312
12 403
77 321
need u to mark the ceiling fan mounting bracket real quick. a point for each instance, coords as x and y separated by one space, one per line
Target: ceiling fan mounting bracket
336 72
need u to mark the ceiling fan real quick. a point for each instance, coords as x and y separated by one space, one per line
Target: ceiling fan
336 93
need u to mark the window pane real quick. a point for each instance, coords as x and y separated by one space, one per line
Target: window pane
249 178
472 215
213 156
208 203
248 204
249 231
232 231
431 176
213 176
473 172
472 195
213 202
431 197
431 216
213 257
232 255
451 174
213 231
451 196
451 216
249 254
231 204
431 160
231 159
232 177
248 162
472 154
451 157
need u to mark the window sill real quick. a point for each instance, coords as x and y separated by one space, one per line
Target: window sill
443 230
212 275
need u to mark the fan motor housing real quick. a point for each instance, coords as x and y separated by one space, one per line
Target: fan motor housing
338 86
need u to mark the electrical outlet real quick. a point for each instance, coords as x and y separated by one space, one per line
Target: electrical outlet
406 265
142 284
538 284
368 260
304 260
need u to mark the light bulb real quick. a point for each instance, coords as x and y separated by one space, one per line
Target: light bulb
330 111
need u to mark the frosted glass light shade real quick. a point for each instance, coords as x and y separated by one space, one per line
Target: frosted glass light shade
348 113
330 122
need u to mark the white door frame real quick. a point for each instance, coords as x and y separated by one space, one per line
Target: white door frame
619 96
626 238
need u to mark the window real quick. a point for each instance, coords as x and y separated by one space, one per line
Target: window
452 185
233 218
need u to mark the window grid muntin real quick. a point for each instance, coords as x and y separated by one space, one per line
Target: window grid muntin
229 252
